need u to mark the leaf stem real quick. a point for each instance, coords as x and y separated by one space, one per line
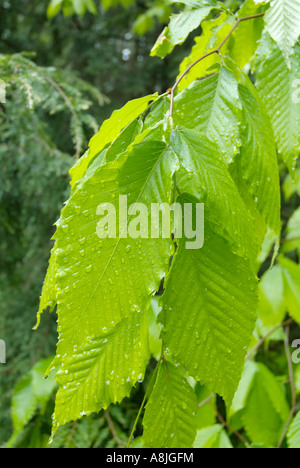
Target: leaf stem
208 54
143 402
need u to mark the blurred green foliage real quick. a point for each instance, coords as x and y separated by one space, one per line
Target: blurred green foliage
42 106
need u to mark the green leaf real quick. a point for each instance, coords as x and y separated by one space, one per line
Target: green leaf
240 398
291 277
111 3
209 311
103 370
212 437
205 414
54 8
195 3
216 110
266 410
143 24
154 329
276 85
99 281
292 240
160 112
146 21
169 420
91 7
43 385
79 7
23 403
283 24
136 174
220 105
291 185
124 140
272 307
213 33
31 390
244 40
109 131
180 27
256 164
280 292
293 434
49 294
241 45
206 176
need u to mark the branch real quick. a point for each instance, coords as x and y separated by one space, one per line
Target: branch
72 110
263 339
113 429
207 400
208 54
228 427
222 420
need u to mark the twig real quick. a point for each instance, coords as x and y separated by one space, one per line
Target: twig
263 339
207 400
112 429
222 420
227 426
72 110
143 403
292 384
208 54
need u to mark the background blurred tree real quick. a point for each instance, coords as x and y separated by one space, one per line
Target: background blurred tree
104 49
